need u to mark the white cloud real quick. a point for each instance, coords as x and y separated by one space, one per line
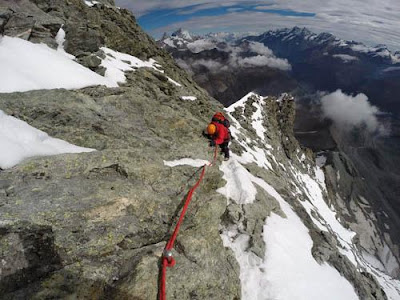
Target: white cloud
201 45
260 49
238 57
261 60
209 64
347 111
345 57
264 7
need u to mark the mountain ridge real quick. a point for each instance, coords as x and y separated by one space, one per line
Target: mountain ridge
93 225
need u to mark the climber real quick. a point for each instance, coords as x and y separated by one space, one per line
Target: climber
218 133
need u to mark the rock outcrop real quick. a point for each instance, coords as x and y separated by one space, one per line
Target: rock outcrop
94 226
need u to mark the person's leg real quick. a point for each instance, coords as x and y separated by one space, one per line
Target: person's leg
225 149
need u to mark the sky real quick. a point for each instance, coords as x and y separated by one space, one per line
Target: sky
369 21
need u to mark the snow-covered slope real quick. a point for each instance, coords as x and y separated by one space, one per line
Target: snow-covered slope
21 72
27 66
289 267
19 141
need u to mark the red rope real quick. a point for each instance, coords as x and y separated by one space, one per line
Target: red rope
167 259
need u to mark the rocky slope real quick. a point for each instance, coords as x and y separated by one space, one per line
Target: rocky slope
93 225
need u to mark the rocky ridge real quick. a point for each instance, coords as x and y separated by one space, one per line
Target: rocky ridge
103 219
288 169
93 225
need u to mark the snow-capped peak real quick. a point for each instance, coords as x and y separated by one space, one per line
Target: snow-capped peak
184 34
309 39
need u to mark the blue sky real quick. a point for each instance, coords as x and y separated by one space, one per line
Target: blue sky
160 18
369 21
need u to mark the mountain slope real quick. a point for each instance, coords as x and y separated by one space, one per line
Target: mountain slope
93 225
227 67
288 174
324 62
319 63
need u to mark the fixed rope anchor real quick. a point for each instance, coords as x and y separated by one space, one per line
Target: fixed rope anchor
167 255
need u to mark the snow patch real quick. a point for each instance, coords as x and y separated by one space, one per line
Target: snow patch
174 82
241 102
24 67
187 161
189 98
117 63
91 3
60 40
239 182
257 119
20 141
169 42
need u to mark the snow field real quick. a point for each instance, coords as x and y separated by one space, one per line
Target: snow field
19 141
288 270
26 66
328 222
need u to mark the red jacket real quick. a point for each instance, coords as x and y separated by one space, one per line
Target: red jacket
221 135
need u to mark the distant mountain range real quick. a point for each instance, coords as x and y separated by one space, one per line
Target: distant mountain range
227 65
324 62
318 62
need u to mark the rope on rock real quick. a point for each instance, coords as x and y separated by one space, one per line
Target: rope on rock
167 258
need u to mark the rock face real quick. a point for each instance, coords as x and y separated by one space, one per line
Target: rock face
93 225
111 212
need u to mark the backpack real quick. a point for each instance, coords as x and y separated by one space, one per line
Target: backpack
220 118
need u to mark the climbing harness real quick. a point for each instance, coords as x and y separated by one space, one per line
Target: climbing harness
167 257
